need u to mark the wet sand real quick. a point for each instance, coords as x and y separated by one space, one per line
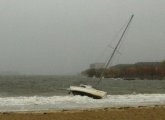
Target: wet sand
125 113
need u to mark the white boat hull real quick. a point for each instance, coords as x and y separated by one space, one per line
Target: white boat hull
85 91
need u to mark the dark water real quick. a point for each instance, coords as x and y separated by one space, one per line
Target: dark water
55 85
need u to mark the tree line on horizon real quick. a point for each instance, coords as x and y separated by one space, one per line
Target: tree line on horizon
141 70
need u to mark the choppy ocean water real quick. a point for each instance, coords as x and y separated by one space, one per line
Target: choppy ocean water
28 93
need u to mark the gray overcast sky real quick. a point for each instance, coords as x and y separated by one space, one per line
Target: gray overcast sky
65 36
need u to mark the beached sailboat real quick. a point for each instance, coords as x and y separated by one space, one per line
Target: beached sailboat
87 90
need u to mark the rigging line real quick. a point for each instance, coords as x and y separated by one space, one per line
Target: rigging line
110 59
112 40
121 44
117 34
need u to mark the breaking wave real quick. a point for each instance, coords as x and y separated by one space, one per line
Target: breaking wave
77 102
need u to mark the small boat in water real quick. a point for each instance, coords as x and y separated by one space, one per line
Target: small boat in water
88 90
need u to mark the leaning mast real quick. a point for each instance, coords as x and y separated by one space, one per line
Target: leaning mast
114 51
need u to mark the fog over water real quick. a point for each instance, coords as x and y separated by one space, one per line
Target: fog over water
65 36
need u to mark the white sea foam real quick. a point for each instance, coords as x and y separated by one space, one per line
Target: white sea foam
81 102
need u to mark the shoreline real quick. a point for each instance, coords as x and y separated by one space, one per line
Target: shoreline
106 113
84 109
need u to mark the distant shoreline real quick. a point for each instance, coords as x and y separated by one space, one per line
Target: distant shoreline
140 70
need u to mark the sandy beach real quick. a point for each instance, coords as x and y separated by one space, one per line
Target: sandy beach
125 113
